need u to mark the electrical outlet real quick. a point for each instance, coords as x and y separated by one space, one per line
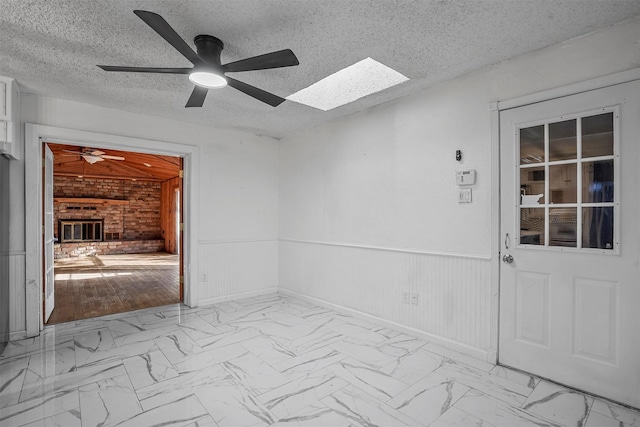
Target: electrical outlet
414 298
203 277
406 297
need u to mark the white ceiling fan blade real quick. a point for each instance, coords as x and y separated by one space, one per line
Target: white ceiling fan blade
92 159
106 156
97 153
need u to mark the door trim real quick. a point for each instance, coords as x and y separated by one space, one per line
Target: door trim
572 89
494 110
35 134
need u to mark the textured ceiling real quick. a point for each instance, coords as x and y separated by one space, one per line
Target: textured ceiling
52 47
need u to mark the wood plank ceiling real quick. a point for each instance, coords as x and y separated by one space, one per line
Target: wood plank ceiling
68 161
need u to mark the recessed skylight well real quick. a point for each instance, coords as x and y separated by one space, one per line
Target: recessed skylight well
349 84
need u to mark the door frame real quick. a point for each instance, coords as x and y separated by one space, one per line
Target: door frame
35 135
495 109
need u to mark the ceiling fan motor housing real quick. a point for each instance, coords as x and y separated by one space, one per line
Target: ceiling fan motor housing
209 49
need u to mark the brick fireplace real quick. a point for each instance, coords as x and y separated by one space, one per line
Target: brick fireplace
106 216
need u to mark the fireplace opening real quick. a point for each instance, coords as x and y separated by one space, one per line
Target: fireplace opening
80 230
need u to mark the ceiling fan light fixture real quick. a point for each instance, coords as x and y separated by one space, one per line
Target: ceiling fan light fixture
208 79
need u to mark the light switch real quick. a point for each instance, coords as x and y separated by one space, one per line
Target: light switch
464 195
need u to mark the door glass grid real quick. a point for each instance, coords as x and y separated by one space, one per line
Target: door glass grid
566 173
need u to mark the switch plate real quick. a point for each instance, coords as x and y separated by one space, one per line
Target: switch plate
414 298
464 195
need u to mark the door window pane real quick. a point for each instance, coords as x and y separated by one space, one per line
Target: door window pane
532 186
562 140
597 135
563 183
532 226
597 181
563 227
532 145
597 227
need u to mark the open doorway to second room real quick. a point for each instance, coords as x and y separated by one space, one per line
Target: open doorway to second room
116 227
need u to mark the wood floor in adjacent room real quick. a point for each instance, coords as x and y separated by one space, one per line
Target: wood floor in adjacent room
107 284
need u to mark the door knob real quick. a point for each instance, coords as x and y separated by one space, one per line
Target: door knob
507 259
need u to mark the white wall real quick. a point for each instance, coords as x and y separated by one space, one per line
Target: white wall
238 178
369 203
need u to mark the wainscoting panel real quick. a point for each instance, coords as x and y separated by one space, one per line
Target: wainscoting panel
17 325
236 268
454 291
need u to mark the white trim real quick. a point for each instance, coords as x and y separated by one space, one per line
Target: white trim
240 295
35 134
474 352
494 299
222 242
382 248
572 89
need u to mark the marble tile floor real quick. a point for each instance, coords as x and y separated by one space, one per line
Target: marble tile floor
269 360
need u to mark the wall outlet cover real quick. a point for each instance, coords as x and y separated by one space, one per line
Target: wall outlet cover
406 297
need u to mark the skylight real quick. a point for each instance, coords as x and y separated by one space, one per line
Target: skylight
349 84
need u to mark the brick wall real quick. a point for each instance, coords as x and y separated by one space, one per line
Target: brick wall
139 220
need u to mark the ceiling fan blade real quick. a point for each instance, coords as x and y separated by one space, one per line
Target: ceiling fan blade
96 153
92 159
163 28
197 97
259 94
146 69
281 58
108 157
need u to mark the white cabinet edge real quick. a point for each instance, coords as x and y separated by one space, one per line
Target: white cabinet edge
9 130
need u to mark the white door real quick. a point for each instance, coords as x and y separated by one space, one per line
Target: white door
49 280
569 275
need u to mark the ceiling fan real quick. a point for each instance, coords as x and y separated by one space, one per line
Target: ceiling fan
207 71
94 156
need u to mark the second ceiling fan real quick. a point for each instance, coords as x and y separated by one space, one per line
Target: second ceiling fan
92 156
207 71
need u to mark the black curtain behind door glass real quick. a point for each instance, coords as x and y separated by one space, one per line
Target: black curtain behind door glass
4 252
601 190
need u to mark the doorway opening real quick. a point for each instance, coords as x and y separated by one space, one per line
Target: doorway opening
116 230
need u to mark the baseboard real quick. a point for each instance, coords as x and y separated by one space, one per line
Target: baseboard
230 297
443 342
